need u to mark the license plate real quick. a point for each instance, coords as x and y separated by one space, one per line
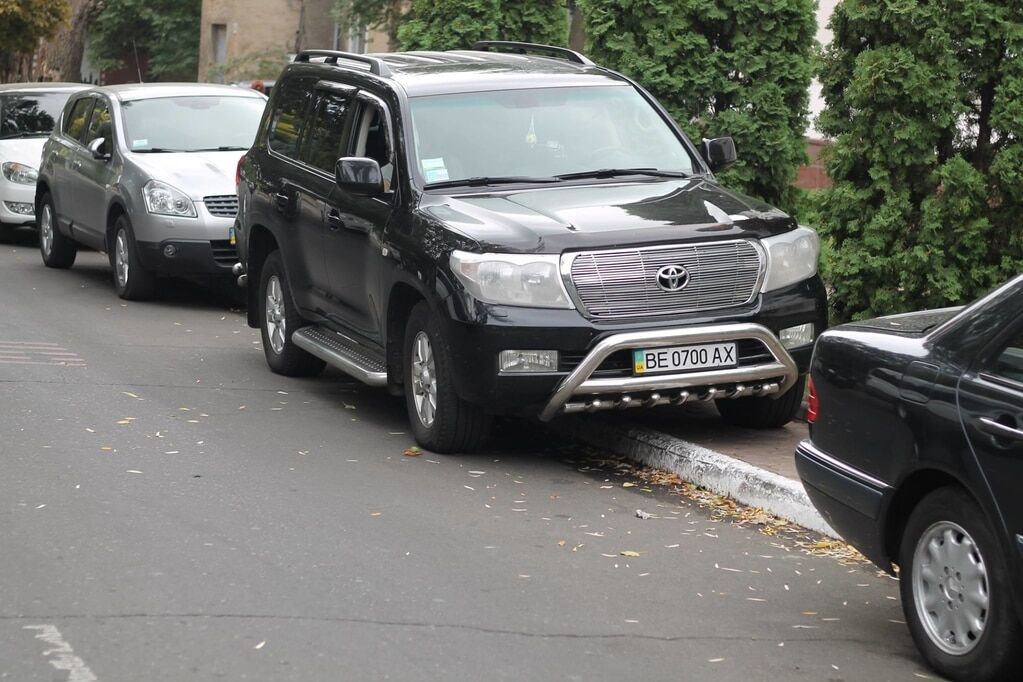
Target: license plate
684 358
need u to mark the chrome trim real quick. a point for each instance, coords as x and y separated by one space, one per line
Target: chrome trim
817 453
579 382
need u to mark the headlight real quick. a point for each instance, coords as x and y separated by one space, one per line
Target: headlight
530 280
162 199
791 257
20 173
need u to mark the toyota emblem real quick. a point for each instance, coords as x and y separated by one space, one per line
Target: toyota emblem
672 278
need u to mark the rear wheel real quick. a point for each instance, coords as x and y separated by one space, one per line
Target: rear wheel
131 279
57 250
278 320
441 421
763 412
955 587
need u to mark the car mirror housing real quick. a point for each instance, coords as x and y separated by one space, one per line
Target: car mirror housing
719 153
98 149
359 175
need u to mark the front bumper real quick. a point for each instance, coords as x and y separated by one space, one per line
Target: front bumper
190 257
851 501
14 193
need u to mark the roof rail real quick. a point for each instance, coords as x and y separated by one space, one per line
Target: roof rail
377 67
532 48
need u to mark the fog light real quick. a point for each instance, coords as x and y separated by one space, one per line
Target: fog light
800 335
20 207
170 251
528 361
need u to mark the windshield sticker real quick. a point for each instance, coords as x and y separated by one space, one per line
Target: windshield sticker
434 170
140 143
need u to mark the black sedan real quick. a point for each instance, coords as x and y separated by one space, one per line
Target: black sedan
915 457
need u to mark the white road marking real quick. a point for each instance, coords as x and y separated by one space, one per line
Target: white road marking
38 353
62 656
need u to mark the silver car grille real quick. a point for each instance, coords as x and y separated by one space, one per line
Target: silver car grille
623 283
224 206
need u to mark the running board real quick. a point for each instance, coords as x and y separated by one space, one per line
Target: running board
346 354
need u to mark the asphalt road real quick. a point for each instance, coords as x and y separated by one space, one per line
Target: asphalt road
171 510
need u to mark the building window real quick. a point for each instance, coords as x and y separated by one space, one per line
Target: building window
219 50
358 36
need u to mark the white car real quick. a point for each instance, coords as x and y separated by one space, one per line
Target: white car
27 115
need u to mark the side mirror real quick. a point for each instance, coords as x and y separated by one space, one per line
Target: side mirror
98 149
719 153
359 175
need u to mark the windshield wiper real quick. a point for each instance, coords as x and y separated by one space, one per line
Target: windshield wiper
220 149
158 150
615 172
493 180
37 133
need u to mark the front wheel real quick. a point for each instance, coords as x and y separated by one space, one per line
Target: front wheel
278 319
955 587
441 421
131 279
763 412
57 250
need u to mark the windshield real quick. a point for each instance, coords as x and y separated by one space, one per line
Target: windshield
189 124
25 114
541 132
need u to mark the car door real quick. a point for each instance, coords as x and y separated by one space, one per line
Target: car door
95 175
64 171
356 223
991 409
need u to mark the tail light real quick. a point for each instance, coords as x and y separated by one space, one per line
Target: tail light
238 171
813 408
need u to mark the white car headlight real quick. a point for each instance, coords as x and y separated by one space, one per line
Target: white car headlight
791 257
19 173
529 280
162 199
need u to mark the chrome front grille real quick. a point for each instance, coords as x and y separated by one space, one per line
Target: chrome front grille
224 206
623 283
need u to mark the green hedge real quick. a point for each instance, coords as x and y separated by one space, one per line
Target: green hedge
454 24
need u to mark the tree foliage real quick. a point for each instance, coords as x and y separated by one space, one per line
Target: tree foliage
925 101
165 34
23 23
721 67
453 24
383 14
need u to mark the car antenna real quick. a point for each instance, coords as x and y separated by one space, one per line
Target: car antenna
138 67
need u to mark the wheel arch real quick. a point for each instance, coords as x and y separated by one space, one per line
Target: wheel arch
260 243
908 495
402 298
114 211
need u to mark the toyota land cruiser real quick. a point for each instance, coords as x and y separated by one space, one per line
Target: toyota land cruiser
512 229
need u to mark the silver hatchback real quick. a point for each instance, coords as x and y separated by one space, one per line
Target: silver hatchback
146 173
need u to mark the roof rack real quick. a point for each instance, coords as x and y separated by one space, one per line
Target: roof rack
532 48
377 67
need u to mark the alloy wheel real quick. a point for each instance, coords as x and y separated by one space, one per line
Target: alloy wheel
424 379
950 588
276 325
121 258
46 229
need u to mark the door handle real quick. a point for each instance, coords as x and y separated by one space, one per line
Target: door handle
999 430
334 221
282 199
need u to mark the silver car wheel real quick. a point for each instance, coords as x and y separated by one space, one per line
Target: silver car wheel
950 588
424 379
276 325
46 229
121 258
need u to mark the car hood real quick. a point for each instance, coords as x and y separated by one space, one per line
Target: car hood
28 150
197 174
555 219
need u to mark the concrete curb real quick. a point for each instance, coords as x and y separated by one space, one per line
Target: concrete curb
724 475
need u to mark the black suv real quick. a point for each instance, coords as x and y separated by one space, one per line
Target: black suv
512 229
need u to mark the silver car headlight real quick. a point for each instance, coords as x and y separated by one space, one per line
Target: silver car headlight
162 199
791 257
19 173
529 280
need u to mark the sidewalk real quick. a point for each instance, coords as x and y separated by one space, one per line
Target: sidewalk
753 467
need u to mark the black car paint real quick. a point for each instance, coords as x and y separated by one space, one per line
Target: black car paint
397 245
899 399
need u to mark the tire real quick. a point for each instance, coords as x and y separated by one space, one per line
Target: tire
763 412
131 279
57 250
6 232
445 424
962 539
278 319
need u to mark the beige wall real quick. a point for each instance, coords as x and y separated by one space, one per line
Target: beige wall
260 33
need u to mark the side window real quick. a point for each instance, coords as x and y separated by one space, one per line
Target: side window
1009 363
372 140
289 107
74 124
323 137
99 125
